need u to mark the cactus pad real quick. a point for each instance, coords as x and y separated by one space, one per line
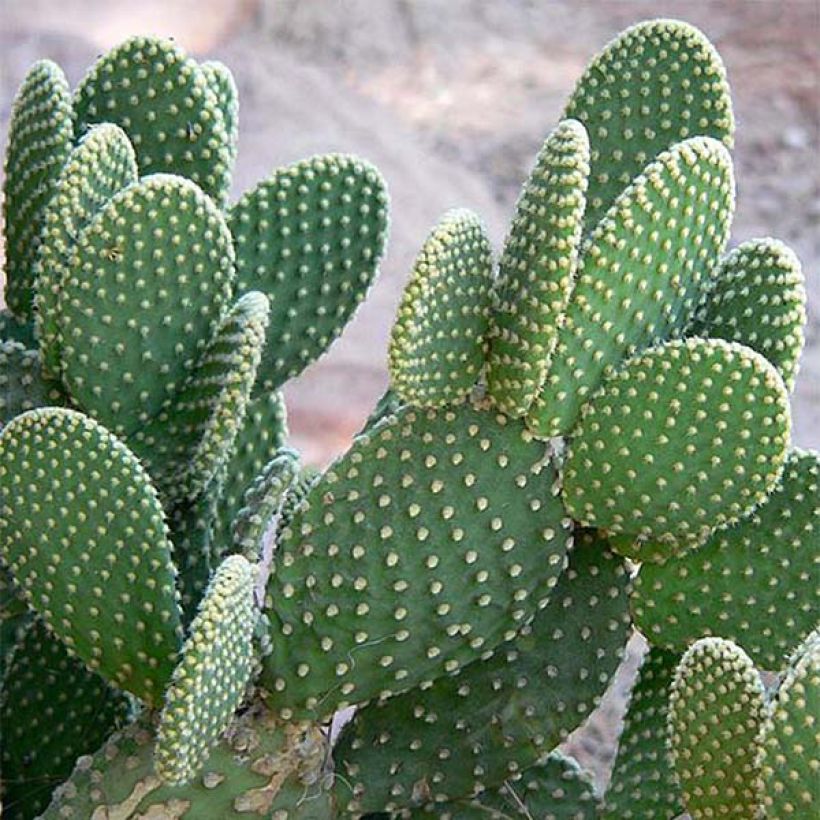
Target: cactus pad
436 537
486 725
759 300
536 272
74 498
310 238
187 443
656 84
100 166
185 134
716 710
53 710
13 329
684 438
438 340
39 140
150 279
259 769
643 271
751 583
643 785
22 385
792 738
210 680
222 84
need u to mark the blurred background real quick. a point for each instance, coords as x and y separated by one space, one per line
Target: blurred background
452 99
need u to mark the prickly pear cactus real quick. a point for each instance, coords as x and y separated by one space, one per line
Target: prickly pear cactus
589 437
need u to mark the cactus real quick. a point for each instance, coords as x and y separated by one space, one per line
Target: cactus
595 434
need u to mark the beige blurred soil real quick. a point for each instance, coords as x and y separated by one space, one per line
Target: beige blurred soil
452 99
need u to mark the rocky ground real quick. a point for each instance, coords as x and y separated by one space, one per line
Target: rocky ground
451 100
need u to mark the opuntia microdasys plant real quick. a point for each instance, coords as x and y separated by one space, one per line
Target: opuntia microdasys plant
589 435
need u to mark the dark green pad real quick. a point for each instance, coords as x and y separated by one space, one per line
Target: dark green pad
22 384
480 728
310 237
39 139
642 274
437 345
162 99
435 538
150 279
686 437
536 272
657 83
751 583
83 533
13 329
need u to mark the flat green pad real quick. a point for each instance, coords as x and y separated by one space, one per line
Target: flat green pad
222 84
310 237
100 166
752 583
686 437
792 737
22 385
210 680
263 501
13 329
83 534
15 616
39 140
536 272
432 540
656 84
162 99
262 435
260 769
642 274
557 789
716 711
192 437
483 727
53 710
438 343
150 278
643 785
759 300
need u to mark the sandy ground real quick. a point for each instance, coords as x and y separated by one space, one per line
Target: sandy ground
452 100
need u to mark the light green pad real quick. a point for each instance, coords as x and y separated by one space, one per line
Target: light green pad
222 84
75 499
642 273
262 435
431 541
13 329
150 279
22 385
557 789
53 710
39 140
643 785
759 300
162 99
437 344
263 500
686 437
210 680
100 166
261 769
483 727
310 237
536 272
716 711
657 83
192 437
751 583
792 738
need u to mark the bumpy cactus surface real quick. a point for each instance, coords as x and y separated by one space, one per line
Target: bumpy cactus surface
588 437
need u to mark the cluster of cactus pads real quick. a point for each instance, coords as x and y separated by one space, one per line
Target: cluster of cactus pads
587 436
